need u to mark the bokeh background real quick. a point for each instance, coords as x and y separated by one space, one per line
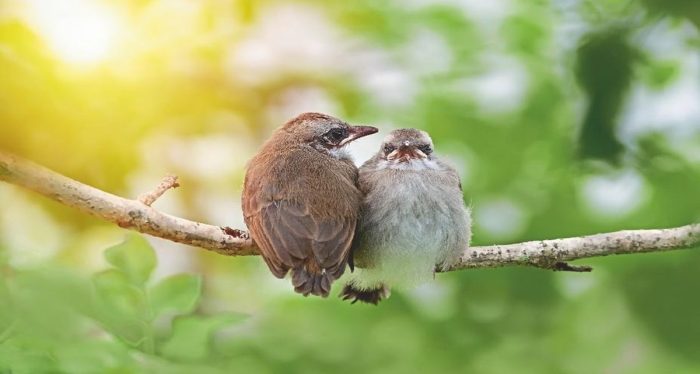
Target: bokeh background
564 118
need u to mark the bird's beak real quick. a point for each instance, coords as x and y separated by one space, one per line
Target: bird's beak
356 132
407 152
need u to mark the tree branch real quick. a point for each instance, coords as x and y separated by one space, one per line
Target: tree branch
139 216
130 214
553 254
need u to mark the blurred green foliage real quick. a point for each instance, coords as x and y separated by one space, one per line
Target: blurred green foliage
116 321
605 67
564 118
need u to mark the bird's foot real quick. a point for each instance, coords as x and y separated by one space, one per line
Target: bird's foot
366 295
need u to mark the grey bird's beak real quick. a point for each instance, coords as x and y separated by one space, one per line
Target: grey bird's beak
356 132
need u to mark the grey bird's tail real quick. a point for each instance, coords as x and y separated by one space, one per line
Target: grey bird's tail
372 295
308 282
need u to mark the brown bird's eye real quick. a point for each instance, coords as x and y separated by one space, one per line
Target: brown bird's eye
389 148
336 135
426 149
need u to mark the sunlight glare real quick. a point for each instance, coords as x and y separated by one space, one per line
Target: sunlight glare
78 31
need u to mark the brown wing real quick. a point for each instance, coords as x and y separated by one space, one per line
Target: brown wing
254 224
331 247
289 237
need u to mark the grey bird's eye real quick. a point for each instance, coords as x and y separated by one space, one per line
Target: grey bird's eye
389 148
426 149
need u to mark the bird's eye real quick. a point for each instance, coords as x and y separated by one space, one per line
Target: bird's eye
389 148
336 135
426 149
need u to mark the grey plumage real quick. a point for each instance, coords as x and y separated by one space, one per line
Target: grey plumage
413 218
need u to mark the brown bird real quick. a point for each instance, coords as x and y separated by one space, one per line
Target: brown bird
301 202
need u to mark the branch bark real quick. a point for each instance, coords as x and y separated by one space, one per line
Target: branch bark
141 217
553 254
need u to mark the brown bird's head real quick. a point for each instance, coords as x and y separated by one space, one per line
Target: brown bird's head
406 145
325 133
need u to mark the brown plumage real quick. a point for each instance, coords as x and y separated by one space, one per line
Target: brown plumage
301 201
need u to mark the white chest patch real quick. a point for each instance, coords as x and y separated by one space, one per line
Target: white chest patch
339 153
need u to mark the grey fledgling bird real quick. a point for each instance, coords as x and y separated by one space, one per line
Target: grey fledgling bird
301 201
413 218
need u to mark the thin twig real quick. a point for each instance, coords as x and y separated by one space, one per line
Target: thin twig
168 182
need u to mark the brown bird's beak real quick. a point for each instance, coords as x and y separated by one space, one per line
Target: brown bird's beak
356 132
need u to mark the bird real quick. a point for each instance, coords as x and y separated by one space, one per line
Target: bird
413 218
301 201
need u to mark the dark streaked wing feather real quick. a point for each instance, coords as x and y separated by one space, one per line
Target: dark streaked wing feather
294 236
289 232
268 254
333 243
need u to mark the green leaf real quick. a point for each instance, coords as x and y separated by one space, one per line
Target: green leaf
122 306
135 257
49 291
114 289
190 339
179 293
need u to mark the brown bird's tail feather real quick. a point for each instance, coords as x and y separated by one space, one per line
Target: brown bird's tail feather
366 295
312 283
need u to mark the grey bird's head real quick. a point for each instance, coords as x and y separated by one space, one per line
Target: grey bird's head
404 147
324 132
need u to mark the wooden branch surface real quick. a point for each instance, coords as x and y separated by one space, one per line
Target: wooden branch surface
138 215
